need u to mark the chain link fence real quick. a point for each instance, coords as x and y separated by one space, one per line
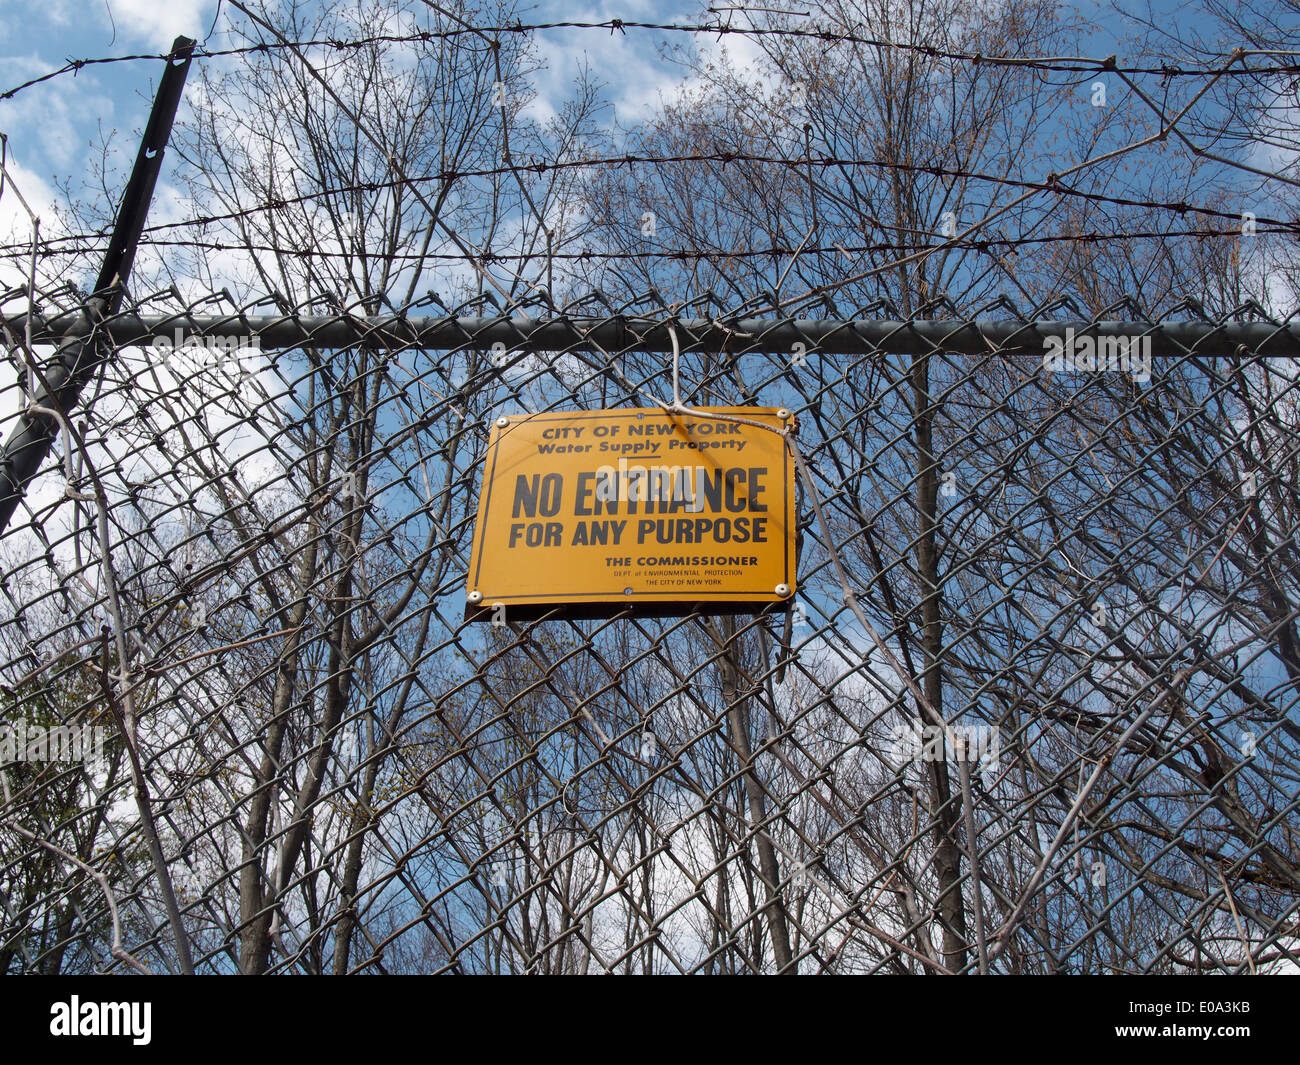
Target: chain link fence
1034 709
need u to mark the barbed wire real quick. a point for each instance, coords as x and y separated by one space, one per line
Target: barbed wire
987 245
1050 64
902 252
1265 224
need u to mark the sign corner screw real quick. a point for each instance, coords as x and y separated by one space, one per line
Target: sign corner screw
477 597
502 422
782 590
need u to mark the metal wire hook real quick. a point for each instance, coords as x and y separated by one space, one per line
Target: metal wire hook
677 365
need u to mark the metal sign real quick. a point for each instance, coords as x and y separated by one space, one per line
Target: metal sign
604 509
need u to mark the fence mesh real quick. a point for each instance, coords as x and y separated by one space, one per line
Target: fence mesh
239 585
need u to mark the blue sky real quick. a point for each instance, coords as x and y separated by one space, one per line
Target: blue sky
51 127
55 128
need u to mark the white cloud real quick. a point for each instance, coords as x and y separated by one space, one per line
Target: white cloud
15 219
16 222
636 78
161 23
52 122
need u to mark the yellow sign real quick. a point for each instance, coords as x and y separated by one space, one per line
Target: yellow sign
635 506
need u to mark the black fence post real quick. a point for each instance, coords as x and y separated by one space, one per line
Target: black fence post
87 347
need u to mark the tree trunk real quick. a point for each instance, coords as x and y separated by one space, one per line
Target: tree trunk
947 857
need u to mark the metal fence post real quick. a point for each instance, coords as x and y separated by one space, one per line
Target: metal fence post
86 348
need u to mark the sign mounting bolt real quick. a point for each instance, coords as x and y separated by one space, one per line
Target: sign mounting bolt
782 590
477 597
502 422
783 413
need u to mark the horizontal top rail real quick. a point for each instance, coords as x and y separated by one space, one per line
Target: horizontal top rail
617 333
